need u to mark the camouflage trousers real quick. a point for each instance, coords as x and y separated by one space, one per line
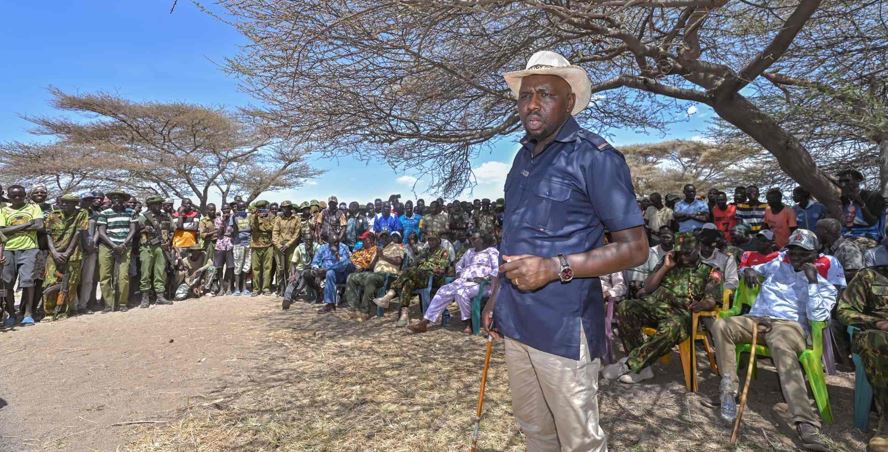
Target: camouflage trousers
660 310
412 279
52 301
872 346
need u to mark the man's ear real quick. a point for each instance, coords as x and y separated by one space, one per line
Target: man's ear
572 100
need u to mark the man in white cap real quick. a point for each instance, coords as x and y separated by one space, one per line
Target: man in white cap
796 290
566 186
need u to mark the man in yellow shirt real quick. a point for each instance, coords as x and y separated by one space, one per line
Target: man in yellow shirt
19 222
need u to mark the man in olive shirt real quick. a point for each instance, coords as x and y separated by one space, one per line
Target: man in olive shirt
284 237
262 225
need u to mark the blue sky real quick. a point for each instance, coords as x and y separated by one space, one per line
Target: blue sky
139 51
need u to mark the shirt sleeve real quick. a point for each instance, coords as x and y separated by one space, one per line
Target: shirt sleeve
732 277
768 268
791 220
836 273
853 309
821 299
609 187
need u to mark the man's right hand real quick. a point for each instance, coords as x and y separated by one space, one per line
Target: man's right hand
751 277
669 260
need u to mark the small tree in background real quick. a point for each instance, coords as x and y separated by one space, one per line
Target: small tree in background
174 149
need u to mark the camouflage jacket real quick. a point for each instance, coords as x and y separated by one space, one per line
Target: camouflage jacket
865 301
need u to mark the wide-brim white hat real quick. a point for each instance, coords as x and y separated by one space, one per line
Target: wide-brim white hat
546 62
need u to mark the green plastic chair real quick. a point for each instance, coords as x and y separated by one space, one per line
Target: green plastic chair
811 358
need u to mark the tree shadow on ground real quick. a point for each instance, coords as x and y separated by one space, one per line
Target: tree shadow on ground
322 382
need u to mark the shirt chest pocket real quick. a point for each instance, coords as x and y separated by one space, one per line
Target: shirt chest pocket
881 292
547 207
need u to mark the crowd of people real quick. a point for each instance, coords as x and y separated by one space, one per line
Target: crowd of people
804 266
364 257
323 252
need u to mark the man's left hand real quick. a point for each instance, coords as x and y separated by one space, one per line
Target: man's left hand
881 324
529 273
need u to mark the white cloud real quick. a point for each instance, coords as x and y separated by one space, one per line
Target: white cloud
406 180
692 110
492 172
310 183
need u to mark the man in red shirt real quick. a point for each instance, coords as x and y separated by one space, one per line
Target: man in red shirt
724 215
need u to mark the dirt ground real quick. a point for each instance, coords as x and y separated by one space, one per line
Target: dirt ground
241 374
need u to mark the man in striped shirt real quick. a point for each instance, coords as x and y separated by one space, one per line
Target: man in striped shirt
752 212
116 230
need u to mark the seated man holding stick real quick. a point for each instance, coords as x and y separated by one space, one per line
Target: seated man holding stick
792 294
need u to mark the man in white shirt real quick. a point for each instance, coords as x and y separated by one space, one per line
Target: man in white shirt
657 215
635 277
792 294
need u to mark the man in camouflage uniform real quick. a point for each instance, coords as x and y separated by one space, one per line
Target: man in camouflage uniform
155 227
433 260
284 237
435 222
65 230
262 225
864 305
333 220
681 283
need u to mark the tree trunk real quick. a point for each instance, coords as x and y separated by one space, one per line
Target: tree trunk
792 157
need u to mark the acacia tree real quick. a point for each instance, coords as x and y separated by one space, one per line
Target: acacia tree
667 166
419 81
174 149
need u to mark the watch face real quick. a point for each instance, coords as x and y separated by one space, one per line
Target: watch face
567 274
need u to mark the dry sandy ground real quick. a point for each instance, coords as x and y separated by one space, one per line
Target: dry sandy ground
243 375
64 384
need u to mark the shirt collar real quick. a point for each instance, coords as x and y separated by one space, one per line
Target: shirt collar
567 133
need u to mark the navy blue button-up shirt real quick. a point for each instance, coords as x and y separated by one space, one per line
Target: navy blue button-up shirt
561 202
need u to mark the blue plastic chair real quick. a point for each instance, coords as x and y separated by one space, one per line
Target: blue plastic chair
863 391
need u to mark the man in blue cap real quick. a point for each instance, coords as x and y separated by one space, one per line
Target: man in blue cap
566 186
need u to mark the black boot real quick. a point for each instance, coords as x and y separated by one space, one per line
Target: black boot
329 307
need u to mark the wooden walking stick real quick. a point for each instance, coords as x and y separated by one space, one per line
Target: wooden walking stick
735 433
477 430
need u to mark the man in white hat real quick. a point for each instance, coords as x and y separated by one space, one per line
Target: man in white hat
566 186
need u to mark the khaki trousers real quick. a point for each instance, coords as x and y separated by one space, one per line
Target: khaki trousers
555 399
785 340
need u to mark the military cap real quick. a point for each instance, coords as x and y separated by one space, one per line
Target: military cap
97 194
286 204
260 204
304 205
117 192
323 204
501 202
154 200
70 197
313 203
685 242
87 195
485 201
169 201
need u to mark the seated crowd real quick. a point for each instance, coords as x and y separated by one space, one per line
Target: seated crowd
801 268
